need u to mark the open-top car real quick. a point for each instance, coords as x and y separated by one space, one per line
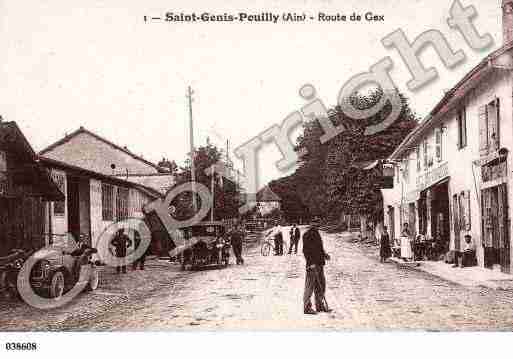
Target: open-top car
58 268
205 244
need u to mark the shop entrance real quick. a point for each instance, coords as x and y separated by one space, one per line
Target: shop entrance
440 227
495 224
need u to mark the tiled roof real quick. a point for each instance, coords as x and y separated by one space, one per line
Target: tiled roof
82 130
158 182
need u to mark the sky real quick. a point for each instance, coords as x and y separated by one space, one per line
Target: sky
101 66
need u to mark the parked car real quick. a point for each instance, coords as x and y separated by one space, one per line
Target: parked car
10 267
57 271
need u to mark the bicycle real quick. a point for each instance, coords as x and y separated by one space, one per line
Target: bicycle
269 244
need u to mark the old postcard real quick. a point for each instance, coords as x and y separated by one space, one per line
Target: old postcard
302 165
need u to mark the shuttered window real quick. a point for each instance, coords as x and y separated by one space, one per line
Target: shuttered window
107 202
483 129
419 163
462 127
438 145
489 131
493 125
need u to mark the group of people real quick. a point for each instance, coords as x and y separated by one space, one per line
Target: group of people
121 242
421 248
277 235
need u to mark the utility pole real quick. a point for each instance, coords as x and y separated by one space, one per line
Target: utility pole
191 142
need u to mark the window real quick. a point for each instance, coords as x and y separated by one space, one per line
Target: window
462 128
438 144
107 202
419 163
3 161
122 201
489 132
425 151
59 207
406 170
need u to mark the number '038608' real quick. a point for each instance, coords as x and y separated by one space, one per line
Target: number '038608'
21 346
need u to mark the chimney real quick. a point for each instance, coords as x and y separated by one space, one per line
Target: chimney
507 21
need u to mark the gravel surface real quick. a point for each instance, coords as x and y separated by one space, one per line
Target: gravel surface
266 294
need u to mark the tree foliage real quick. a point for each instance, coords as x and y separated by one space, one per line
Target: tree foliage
330 180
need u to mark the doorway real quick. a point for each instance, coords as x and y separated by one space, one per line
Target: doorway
495 224
79 217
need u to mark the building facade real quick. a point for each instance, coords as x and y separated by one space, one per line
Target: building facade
453 172
95 177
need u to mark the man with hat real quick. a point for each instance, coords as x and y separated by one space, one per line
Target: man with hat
315 281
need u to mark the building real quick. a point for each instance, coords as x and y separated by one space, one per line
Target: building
452 171
26 192
102 183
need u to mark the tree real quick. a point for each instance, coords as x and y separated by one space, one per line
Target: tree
329 180
226 193
169 165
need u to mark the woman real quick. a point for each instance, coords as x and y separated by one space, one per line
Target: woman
406 252
384 251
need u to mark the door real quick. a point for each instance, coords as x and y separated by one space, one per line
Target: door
73 206
503 220
456 222
391 223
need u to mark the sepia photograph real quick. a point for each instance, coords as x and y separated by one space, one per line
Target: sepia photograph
228 169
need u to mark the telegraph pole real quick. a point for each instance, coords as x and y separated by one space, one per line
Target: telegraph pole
191 142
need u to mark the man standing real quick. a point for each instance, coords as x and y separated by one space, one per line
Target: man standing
121 242
315 281
294 238
139 261
278 240
236 239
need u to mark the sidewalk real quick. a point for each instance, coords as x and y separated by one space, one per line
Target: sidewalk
469 276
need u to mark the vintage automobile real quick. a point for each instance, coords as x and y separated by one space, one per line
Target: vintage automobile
58 270
205 244
10 267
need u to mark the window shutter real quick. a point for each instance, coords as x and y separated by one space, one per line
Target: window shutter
492 126
497 124
456 221
438 144
467 211
464 126
483 129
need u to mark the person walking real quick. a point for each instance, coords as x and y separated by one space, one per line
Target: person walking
315 281
236 239
384 250
295 234
121 242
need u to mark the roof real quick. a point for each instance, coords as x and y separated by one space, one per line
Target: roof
30 170
266 195
82 130
50 162
453 96
160 182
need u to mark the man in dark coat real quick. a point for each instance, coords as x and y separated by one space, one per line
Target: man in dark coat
294 238
236 239
139 261
278 241
121 242
315 282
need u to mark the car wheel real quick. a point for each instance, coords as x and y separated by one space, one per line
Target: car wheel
56 285
94 280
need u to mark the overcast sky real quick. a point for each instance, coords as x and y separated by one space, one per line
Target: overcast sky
102 67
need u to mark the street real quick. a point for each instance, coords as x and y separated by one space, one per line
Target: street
266 294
